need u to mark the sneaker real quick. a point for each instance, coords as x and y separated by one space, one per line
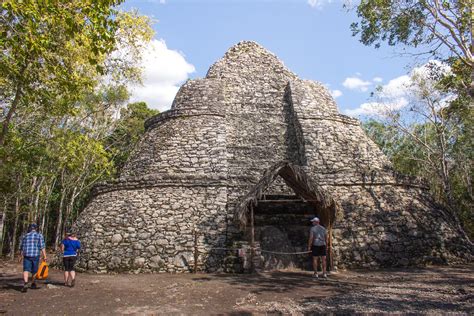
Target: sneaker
34 286
325 275
73 282
315 275
24 288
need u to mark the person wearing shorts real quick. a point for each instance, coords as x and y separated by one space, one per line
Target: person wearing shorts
69 246
317 246
31 247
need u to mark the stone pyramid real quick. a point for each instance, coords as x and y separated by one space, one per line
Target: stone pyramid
173 207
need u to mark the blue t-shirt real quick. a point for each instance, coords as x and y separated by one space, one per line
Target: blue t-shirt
70 247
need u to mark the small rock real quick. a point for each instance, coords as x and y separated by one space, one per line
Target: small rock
116 238
139 262
51 286
117 299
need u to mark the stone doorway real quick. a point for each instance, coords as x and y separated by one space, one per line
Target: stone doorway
281 227
281 222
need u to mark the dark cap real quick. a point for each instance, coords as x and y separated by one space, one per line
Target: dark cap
32 226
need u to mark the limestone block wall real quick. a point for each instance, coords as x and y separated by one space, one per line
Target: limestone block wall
388 225
257 122
190 138
247 62
154 229
200 95
330 142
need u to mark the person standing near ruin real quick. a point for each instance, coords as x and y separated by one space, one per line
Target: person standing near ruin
317 245
69 246
31 248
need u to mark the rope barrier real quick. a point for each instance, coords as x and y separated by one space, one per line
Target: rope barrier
233 249
286 253
266 251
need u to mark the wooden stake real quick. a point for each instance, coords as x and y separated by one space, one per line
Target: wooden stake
331 261
252 238
195 251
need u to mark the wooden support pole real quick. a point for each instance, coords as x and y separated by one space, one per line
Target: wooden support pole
330 253
196 254
252 238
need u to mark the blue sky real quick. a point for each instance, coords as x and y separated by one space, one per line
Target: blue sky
311 37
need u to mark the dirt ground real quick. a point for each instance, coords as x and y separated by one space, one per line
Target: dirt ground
432 290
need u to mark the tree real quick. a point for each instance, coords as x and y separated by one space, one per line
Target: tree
52 50
435 24
424 139
77 57
129 130
432 135
442 27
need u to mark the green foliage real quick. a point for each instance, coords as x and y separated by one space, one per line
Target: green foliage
55 52
64 74
128 132
383 20
405 154
412 158
429 23
428 138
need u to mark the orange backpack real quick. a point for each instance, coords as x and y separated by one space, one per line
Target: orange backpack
42 272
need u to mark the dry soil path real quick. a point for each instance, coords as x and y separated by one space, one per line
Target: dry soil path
433 290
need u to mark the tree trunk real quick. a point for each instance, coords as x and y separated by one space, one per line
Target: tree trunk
13 107
59 225
17 216
31 200
70 206
2 223
44 213
37 198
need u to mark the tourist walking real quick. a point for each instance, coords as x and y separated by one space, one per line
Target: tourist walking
317 246
69 247
31 248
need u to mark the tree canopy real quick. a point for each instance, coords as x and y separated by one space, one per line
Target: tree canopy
435 24
430 137
65 69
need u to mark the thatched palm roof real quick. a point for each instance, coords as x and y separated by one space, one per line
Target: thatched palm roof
295 177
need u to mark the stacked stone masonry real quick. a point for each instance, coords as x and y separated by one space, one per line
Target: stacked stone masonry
172 209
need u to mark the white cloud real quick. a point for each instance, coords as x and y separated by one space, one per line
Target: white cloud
377 79
391 97
395 95
357 84
164 71
336 93
396 88
318 4
376 108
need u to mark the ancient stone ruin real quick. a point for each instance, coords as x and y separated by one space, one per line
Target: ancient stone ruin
251 147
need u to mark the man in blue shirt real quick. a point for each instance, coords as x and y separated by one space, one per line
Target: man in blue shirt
31 247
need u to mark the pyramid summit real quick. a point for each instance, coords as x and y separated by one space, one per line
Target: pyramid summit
247 59
253 148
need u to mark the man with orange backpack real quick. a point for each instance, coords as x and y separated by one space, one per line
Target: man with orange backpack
31 247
